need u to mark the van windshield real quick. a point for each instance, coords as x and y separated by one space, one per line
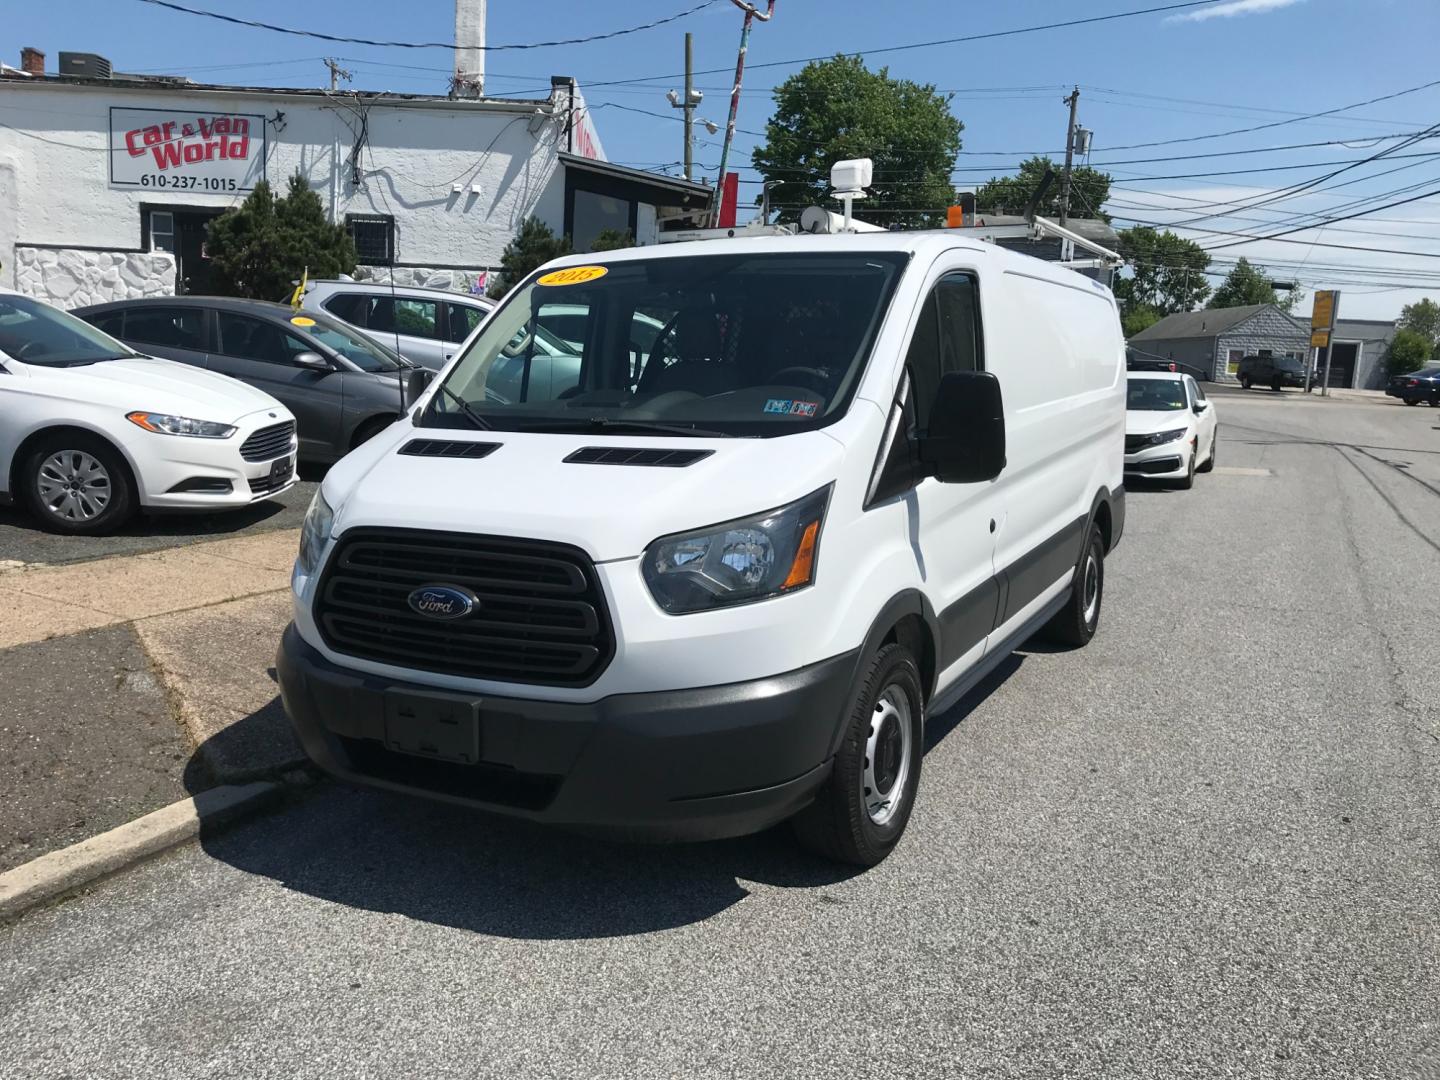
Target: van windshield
723 344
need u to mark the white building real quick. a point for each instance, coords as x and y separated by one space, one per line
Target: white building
107 180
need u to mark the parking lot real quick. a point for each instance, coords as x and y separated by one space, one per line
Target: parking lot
1204 846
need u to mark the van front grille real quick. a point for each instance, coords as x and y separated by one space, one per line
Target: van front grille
539 617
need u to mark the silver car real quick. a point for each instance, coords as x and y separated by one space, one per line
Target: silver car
426 326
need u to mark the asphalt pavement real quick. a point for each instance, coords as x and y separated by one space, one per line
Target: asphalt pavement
1204 846
22 540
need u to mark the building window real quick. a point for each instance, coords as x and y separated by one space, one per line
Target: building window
162 230
595 213
1232 360
374 236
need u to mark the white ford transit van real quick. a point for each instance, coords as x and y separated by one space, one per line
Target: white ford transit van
723 580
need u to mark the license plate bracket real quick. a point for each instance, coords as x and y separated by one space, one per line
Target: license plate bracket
441 727
281 468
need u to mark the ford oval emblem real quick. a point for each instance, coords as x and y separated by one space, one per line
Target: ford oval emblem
443 601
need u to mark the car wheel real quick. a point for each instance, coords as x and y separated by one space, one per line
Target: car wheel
78 484
369 429
1188 480
1412 401
1210 461
1075 624
863 808
1275 385
1245 383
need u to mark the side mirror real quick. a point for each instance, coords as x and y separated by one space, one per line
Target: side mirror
1201 406
416 380
312 360
965 440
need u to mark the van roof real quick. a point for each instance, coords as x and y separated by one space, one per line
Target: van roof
921 242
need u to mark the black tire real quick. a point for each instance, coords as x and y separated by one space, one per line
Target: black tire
1412 401
1186 482
1245 383
1075 624
839 824
369 429
1275 386
1210 461
100 504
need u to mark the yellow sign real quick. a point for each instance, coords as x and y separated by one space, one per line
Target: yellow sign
1319 338
573 275
1322 316
302 320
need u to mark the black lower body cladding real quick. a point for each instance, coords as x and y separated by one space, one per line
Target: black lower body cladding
676 765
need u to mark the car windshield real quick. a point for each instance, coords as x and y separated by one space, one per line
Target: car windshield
723 344
1155 395
36 333
360 350
1289 363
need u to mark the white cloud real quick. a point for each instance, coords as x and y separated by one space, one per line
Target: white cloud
1232 8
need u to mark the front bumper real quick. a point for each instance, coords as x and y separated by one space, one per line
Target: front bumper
212 470
1169 459
674 765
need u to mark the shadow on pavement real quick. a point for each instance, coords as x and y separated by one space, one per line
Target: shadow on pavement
152 524
465 869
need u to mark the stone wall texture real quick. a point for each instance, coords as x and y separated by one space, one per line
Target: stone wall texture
421 277
71 278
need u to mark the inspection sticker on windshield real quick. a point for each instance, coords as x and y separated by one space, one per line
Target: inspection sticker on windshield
572 275
302 320
791 408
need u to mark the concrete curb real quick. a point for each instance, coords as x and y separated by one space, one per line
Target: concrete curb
84 863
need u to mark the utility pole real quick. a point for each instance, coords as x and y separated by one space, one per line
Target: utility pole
688 103
1073 101
336 73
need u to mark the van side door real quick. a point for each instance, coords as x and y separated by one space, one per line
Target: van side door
952 526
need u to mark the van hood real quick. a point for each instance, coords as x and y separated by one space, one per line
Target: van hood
1145 422
526 488
162 386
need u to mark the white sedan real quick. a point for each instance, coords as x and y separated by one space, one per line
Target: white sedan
1170 427
91 431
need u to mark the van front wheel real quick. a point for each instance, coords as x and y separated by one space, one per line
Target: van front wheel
1075 623
861 812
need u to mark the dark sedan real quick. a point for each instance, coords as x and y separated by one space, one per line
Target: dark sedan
341 386
1417 386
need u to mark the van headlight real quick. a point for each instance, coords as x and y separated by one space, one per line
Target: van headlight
314 532
738 562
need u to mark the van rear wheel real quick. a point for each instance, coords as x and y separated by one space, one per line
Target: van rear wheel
863 808
1075 624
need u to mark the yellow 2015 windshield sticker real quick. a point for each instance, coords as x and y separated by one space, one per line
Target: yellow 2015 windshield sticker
572 275
302 320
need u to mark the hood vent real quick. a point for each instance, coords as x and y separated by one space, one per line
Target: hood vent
623 455
448 448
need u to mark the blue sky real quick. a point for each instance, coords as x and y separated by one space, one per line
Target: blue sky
1144 79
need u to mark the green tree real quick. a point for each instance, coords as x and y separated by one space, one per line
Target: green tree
1423 317
261 247
833 110
1011 194
1140 317
533 246
612 240
1409 351
1167 272
1250 284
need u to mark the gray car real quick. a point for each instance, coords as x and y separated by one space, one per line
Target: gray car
341 386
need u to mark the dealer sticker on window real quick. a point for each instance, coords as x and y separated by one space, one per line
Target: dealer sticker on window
572 275
302 320
787 407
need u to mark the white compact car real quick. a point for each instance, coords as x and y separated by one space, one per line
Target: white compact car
722 580
91 431
1170 427
426 326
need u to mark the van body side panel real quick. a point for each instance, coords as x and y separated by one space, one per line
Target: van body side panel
1057 351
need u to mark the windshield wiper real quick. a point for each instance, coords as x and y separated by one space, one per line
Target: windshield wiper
605 423
465 407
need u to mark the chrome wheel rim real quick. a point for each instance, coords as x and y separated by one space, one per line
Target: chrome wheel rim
1090 588
889 755
74 485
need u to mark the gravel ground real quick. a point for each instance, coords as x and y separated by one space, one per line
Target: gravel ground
1205 846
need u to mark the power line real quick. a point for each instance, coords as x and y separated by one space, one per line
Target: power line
255 24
